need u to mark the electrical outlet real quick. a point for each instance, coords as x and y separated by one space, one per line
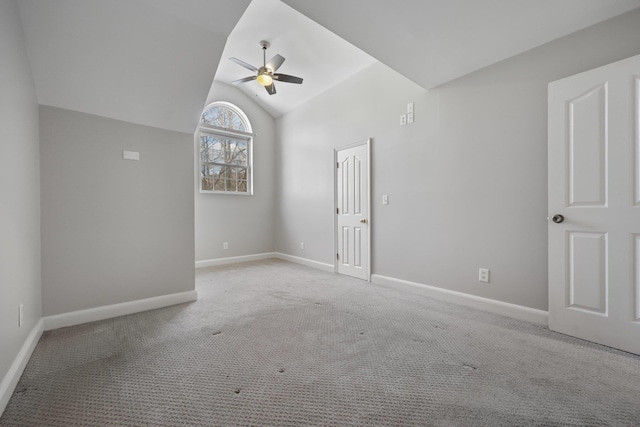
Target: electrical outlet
225 245
20 315
409 118
483 275
302 245
403 120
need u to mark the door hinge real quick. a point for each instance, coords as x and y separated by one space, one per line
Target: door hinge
337 256
337 210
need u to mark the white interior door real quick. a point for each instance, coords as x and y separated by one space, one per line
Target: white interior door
594 184
352 210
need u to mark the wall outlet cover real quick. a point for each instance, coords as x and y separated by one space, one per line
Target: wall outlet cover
403 120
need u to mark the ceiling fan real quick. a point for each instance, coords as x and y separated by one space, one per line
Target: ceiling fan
267 73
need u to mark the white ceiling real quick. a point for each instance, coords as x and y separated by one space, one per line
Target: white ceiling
312 52
152 62
143 61
435 41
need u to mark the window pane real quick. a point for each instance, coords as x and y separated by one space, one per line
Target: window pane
224 117
217 156
207 173
210 148
205 144
232 178
232 152
218 178
207 184
242 186
239 153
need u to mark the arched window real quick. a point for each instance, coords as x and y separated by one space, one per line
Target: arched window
225 140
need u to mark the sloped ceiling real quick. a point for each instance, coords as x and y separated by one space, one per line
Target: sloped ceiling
149 62
435 41
152 62
312 52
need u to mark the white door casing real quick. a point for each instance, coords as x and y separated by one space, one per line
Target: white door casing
352 210
594 183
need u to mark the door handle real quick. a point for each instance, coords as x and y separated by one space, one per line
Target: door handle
364 221
557 218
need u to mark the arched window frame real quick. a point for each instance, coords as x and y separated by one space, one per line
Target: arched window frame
209 181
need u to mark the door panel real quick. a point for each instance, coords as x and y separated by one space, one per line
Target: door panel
588 272
594 127
352 184
587 121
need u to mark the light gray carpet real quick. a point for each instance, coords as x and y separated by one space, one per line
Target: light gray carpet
277 344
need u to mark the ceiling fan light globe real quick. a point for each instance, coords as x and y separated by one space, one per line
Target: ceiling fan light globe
265 79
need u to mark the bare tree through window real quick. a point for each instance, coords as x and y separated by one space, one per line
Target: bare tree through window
224 157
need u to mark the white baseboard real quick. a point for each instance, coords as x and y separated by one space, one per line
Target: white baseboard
10 380
498 307
108 311
532 315
304 261
234 260
268 255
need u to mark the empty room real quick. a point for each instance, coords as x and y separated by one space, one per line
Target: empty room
288 213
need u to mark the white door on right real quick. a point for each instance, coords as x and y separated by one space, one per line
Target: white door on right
594 205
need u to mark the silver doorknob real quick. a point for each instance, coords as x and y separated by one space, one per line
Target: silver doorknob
363 221
557 218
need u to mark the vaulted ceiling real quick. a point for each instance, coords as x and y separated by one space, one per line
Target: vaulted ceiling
152 62
149 62
435 41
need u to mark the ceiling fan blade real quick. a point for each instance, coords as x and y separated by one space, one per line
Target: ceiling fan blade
275 62
244 64
287 78
271 89
246 79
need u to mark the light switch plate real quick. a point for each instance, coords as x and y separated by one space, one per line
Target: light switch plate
409 117
410 107
131 155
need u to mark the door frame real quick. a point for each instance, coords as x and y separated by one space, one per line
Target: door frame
367 143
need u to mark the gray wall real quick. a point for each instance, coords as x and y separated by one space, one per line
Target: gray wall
113 230
247 223
19 190
467 182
